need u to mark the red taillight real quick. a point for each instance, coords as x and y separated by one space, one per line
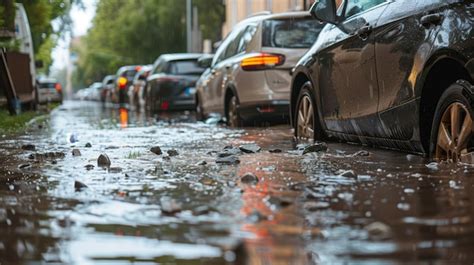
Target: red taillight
266 109
138 68
58 87
262 61
122 82
165 105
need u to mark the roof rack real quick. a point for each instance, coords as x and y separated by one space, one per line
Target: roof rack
262 13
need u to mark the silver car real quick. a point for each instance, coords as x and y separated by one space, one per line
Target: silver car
249 76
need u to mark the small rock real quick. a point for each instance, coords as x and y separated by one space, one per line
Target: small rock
201 163
89 167
275 150
23 166
250 148
115 170
228 160
172 152
73 138
378 231
88 145
348 174
111 147
280 202
249 178
202 210
103 161
29 147
169 206
76 152
31 156
361 153
79 186
156 150
315 148
229 151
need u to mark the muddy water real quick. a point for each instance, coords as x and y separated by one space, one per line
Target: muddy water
319 208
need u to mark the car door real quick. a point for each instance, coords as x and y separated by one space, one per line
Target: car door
219 69
348 79
402 48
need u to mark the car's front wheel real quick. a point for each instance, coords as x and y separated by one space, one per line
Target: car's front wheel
453 130
306 121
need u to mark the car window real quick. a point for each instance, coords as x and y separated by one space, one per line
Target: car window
291 33
159 66
246 37
129 74
233 47
185 67
47 85
355 7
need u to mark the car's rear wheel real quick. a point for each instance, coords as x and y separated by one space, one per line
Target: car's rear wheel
233 116
306 121
453 130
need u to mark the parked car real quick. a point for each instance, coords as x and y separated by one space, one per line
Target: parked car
397 74
49 90
94 91
171 84
124 79
249 76
136 91
108 85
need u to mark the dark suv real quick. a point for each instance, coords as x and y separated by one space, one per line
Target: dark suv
397 74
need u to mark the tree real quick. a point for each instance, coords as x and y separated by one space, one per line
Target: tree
126 32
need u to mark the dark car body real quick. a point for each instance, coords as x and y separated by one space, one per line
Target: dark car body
377 75
172 81
126 73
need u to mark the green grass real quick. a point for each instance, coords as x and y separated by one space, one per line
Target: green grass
134 155
14 124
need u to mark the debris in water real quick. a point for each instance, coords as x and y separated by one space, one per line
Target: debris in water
169 206
378 231
76 152
79 186
249 178
172 152
228 160
156 150
103 161
250 148
88 145
315 148
29 147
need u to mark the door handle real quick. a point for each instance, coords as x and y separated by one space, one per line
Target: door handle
431 19
364 32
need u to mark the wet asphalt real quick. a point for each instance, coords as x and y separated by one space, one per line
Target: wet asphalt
347 205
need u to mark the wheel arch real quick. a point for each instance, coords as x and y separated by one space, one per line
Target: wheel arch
441 70
229 92
298 81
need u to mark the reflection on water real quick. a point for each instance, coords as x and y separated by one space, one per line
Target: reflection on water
328 208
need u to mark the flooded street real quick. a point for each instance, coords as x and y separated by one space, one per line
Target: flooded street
209 199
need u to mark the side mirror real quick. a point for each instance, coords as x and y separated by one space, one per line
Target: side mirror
205 61
325 11
39 64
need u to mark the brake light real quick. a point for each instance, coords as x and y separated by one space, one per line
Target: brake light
122 82
262 61
138 68
58 87
165 105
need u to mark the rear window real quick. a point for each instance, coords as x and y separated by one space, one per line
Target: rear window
47 85
185 67
129 74
291 33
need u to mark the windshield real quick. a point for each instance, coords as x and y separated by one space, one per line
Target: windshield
185 67
47 85
290 33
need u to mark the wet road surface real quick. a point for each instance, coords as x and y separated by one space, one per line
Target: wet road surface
330 207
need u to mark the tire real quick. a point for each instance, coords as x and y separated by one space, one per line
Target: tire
232 115
452 138
200 116
307 124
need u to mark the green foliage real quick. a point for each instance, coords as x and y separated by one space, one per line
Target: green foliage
126 32
12 124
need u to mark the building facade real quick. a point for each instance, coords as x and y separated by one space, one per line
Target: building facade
238 10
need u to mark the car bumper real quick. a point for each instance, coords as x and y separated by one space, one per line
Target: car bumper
173 104
266 110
